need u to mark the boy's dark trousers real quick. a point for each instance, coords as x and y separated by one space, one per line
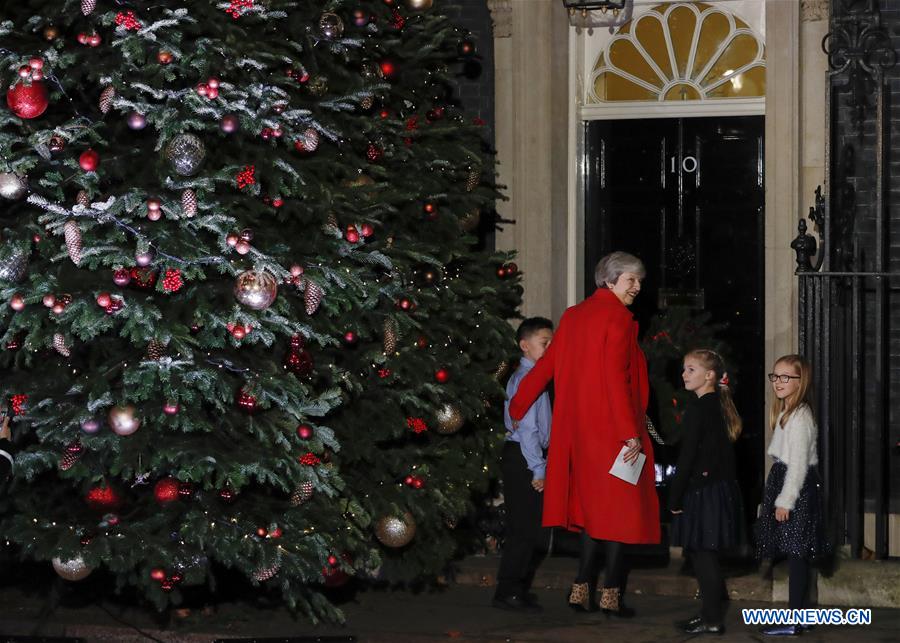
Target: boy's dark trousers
523 524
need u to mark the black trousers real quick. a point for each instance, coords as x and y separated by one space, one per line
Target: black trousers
523 523
711 582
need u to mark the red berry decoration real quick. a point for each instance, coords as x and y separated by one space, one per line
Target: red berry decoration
305 431
310 459
172 281
245 401
28 100
158 574
246 177
103 499
442 375
417 425
89 160
276 533
128 20
374 153
17 402
166 490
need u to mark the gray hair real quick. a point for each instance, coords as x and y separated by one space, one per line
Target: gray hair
611 267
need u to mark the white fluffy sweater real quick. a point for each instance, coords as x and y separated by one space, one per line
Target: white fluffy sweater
795 445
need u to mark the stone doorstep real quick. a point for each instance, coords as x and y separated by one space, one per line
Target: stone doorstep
557 573
853 583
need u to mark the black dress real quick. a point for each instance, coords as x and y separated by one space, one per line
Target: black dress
705 484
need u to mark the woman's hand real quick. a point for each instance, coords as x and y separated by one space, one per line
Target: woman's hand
634 448
782 514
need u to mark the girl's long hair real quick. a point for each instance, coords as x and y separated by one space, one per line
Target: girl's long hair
712 361
802 396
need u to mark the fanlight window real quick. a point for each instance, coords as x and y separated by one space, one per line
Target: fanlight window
683 51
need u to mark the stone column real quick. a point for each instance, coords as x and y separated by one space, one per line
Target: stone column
531 91
782 173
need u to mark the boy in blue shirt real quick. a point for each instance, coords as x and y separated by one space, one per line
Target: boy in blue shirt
522 468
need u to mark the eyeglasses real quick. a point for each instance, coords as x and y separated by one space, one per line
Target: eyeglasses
784 378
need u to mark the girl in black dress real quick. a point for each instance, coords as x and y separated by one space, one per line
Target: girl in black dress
704 496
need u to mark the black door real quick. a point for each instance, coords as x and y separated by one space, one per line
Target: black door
686 196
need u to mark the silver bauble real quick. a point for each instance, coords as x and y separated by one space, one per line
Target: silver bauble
72 569
90 425
12 186
394 531
331 26
186 154
13 266
418 5
122 420
449 419
256 290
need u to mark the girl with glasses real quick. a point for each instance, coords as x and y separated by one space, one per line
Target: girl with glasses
791 524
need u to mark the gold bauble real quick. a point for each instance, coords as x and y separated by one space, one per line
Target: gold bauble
255 289
122 420
449 419
360 181
394 531
72 569
418 5
469 222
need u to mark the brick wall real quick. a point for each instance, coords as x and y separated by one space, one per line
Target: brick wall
853 164
476 84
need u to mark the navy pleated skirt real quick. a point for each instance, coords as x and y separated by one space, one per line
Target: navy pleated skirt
713 518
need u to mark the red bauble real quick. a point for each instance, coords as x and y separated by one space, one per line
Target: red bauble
121 277
227 494
103 499
104 299
185 489
28 101
367 230
89 160
408 481
166 490
299 362
333 560
422 342
442 375
245 401
404 304
305 431
511 269
350 337
157 574
351 234
388 68
276 533
501 272
334 576
417 483
262 532
171 408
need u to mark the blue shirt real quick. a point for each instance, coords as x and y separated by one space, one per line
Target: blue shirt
533 433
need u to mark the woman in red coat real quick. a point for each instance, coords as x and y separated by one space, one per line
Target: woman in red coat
601 388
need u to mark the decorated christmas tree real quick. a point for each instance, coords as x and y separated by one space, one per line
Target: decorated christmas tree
246 323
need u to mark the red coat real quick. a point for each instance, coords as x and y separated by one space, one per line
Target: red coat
601 389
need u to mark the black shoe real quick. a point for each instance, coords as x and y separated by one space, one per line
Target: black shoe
622 612
515 603
703 628
782 630
681 625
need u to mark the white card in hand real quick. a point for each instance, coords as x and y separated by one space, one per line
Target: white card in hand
628 472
